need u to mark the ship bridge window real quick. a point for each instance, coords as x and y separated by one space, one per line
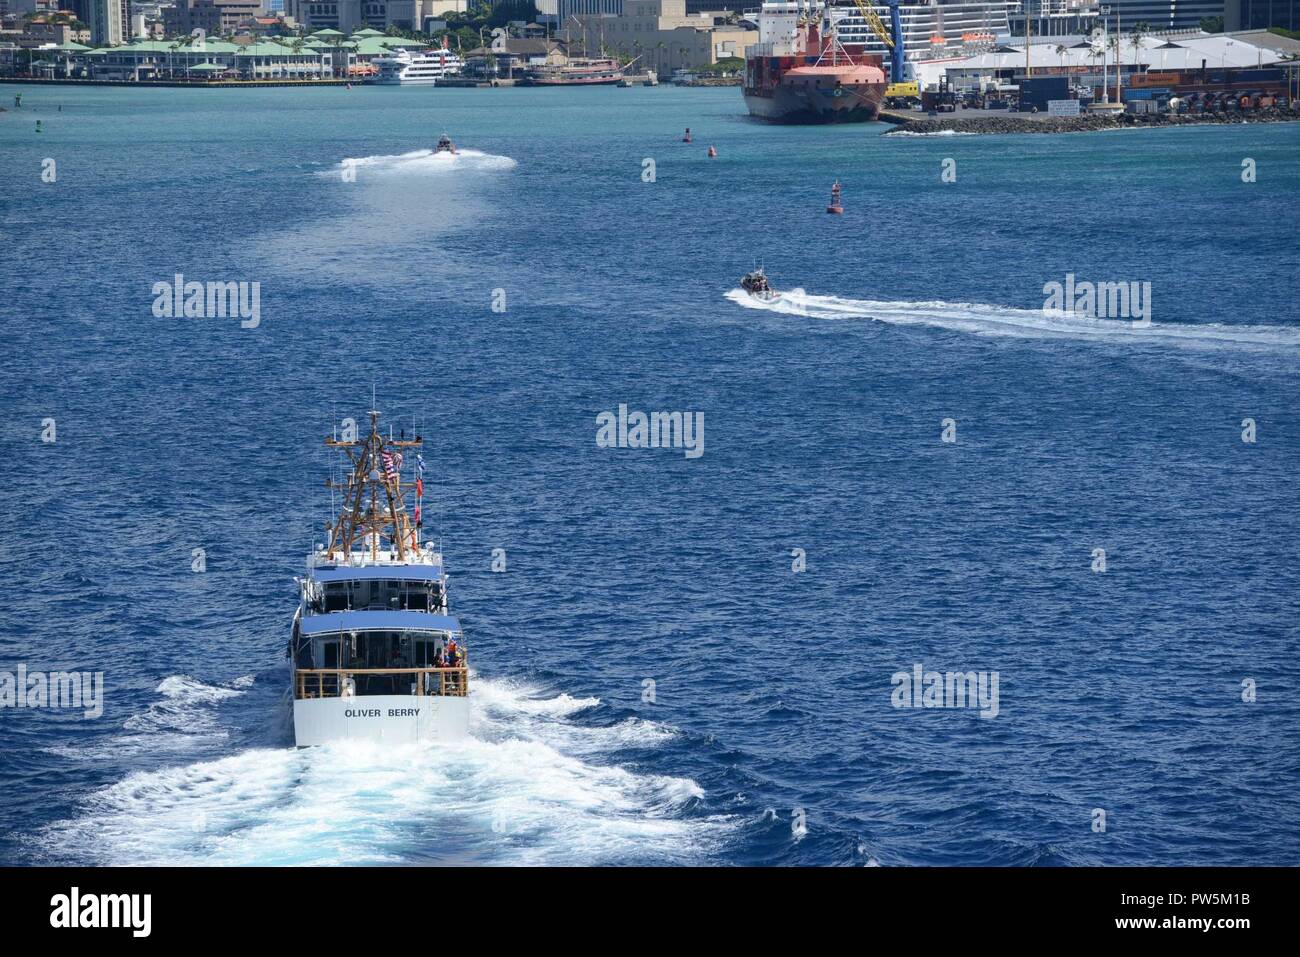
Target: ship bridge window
379 595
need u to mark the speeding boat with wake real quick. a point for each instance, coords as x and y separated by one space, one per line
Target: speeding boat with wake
756 284
376 655
445 145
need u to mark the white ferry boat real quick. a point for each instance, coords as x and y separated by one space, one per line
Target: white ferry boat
376 655
425 68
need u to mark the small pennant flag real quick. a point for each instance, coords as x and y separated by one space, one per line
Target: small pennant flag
418 521
419 463
419 487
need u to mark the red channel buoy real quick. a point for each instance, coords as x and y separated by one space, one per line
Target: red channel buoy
835 208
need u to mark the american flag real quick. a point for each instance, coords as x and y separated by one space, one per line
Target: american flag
392 465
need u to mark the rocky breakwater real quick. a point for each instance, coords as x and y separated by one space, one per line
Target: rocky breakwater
1039 123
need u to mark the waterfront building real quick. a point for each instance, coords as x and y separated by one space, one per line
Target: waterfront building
661 37
327 54
209 59
1082 61
508 56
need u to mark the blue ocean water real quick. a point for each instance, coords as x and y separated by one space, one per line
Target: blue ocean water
1119 691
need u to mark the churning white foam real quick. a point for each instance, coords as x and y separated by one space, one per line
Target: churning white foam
186 707
185 717
421 163
931 133
525 788
992 320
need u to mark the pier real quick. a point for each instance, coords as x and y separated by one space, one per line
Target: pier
188 84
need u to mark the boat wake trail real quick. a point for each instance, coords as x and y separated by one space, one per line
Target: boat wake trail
992 320
527 788
422 163
377 228
184 718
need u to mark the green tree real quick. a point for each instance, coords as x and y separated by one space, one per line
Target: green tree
1141 30
1212 24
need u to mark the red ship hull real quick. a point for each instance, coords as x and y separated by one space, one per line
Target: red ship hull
821 94
799 90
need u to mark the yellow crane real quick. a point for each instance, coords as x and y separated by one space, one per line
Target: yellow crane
877 25
905 90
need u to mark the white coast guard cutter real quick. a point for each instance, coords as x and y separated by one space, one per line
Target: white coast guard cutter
375 654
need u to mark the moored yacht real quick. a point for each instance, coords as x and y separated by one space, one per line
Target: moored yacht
425 68
376 654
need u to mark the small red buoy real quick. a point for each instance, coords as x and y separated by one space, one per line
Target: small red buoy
712 151
687 137
835 208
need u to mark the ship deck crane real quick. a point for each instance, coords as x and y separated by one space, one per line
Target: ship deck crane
891 38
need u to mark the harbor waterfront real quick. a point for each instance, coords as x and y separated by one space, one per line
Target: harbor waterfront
675 659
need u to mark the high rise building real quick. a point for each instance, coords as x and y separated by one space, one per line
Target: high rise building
1163 14
566 10
1262 14
214 17
107 20
345 15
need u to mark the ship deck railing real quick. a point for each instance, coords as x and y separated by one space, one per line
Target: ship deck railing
342 682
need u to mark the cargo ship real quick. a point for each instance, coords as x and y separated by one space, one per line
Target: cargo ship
799 72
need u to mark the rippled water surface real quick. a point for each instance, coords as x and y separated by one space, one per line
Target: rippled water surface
1119 691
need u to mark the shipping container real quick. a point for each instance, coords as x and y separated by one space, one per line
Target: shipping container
1036 91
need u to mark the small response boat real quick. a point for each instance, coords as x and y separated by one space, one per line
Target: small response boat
445 145
755 283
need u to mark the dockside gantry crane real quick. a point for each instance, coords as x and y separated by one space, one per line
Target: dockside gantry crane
891 38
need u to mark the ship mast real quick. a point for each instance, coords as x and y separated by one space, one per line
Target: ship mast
373 497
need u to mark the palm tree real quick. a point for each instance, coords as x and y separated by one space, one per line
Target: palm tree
1140 31
1114 44
1060 52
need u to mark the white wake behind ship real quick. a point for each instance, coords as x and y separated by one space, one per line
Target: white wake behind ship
376 654
425 68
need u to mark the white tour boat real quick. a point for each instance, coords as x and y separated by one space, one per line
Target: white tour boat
423 68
